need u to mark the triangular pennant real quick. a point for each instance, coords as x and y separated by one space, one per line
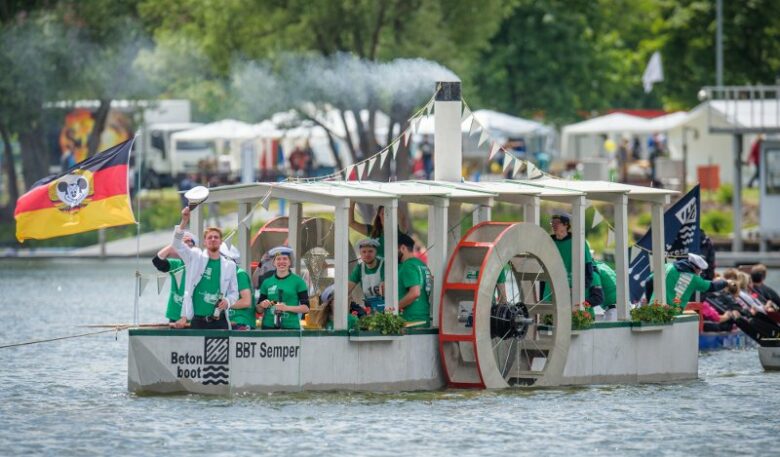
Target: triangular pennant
371 163
430 108
407 134
266 201
466 114
474 125
610 237
597 218
142 282
360 168
508 160
534 172
350 170
396 145
483 137
383 156
177 275
417 124
160 283
519 165
494 150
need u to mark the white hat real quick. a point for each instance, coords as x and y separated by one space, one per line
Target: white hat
368 243
698 261
281 250
231 252
327 294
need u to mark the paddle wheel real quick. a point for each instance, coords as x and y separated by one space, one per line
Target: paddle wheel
496 333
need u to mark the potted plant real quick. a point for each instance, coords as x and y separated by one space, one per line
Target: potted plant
653 316
379 326
582 318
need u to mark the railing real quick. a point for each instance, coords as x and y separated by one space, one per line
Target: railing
742 109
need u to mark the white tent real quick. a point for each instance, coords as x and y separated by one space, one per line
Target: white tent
583 139
228 136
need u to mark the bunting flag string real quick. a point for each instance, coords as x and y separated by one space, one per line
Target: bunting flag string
466 114
142 282
519 166
494 150
483 137
360 167
383 157
160 283
508 162
371 163
396 145
597 218
474 125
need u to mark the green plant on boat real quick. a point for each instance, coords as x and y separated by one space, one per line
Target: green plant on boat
386 323
656 313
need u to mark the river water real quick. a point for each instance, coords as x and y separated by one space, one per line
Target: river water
70 397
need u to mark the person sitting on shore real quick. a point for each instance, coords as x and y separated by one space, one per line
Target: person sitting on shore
211 282
414 284
370 274
242 313
167 261
682 280
283 296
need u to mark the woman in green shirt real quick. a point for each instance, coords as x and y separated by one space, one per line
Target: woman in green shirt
283 296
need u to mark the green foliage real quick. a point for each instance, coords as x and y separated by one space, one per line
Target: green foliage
656 313
725 194
385 323
582 318
644 220
717 222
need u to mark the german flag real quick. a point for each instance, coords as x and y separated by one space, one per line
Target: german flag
90 195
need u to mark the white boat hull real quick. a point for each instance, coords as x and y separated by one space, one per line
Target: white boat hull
769 357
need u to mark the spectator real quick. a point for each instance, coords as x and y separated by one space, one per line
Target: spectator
755 159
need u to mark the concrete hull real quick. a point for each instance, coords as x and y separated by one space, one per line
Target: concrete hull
224 363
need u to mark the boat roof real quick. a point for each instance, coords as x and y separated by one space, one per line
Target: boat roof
427 192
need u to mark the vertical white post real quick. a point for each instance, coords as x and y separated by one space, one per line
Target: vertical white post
294 234
391 254
447 140
482 214
659 252
437 252
578 250
621 256
244 236
452 229
196 224
341 246
531 211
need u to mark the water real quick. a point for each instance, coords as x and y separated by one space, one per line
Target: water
70 397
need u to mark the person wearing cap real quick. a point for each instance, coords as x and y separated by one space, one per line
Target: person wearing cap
561 236
167 261
415 283
683 279
283 296
324 318
242 313
370 274
211 281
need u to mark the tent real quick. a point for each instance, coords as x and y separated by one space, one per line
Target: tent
583 139
228 136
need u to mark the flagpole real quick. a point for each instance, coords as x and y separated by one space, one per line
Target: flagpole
139 167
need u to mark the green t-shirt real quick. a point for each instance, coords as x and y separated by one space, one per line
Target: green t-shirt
414 272
207 291
244 316
608 280
283 290
564 248
357 273
173 311
681 285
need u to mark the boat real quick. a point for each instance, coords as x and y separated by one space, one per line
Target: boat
769 354
471 343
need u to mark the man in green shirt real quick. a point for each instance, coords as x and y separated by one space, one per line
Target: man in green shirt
242 313
682 280
561 236
414 283
165 263
370 274
603 290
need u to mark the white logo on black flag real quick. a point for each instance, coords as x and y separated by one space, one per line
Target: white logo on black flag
682 234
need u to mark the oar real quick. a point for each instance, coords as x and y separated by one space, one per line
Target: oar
162 324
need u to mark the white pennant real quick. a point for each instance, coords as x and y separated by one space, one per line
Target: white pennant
177 275
483 137
266 201
474 125
407 134
610 237
518 167
597 218
383 157
430 108
417 124
142 282
466 114
494 150
371 163
533 172
396 145
160 283
508 162
360 167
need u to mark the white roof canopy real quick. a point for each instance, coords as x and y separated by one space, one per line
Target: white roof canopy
228 129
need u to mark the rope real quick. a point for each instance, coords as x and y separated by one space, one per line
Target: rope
115 329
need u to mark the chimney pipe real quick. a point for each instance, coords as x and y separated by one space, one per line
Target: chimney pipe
447 139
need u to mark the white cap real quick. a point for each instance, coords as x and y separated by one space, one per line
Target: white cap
327 294
698 261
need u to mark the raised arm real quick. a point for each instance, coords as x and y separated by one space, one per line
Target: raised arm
353 223
186 253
